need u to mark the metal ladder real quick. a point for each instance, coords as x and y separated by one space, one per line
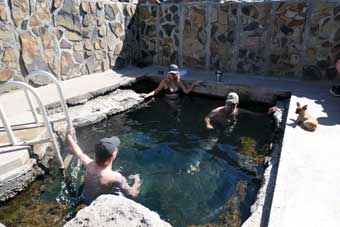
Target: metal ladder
47 122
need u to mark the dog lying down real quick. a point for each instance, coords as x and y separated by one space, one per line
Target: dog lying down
304 119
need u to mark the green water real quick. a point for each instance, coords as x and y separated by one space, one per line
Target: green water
191 175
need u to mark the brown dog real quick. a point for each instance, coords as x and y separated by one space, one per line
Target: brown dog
304 119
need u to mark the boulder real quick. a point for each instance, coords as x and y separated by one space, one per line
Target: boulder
110 210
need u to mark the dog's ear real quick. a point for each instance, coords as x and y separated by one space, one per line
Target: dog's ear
298 104
304 107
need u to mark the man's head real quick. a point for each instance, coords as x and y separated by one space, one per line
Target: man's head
106 150
232 98
337 65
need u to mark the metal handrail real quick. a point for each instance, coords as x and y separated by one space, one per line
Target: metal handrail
7 126
60 92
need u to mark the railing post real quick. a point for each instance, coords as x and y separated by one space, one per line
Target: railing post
34 112
7 127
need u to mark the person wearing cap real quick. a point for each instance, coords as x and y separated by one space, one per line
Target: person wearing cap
99 177
335 90
223 113
172 84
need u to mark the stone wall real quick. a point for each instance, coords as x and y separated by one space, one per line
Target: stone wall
68 38
295 39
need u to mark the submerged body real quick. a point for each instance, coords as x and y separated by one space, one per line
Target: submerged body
99 177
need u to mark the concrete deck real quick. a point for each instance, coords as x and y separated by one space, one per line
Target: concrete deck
307 189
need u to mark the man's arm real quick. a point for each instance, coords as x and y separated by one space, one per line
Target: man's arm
76 150
130 191
212 113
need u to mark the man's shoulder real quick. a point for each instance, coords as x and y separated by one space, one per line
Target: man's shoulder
116 176
218 109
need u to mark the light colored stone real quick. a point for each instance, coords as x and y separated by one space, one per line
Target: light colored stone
50 51
72 36
6 35
110 210
77 47
3 12
85 6
88 45
6 75
31 53
64 44
41 13
101 31
69 68
10 58
97 45
58 3
20 10
102 43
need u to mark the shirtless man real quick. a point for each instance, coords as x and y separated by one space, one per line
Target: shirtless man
99 177
224 113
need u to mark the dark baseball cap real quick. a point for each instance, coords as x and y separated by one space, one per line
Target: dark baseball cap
105 148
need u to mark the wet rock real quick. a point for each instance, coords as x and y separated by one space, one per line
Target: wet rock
20 10
286 30
69 68
6 75
31 53
110 210
41 13
3 12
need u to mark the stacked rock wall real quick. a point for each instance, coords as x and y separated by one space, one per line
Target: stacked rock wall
68 38
293 38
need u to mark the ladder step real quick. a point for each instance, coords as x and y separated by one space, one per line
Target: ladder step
24 126
27 143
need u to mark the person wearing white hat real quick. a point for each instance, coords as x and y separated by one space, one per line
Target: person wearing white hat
172 84
229 109
335 90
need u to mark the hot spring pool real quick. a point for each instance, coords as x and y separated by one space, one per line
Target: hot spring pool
191 175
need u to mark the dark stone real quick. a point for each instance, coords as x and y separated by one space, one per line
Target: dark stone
337 36
231 37
336 10
242 53
214 29
326 44
251 26
161 34
311 72
222 38
286 30
337 18
173 57
331 73
154 11
325 22
24 25
250 11
168 17
176 40
314 30
176 19
150 30
173 9
323 64
142 26
168 28
274 59
284 42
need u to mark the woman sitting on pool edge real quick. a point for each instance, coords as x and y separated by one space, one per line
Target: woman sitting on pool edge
172 84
